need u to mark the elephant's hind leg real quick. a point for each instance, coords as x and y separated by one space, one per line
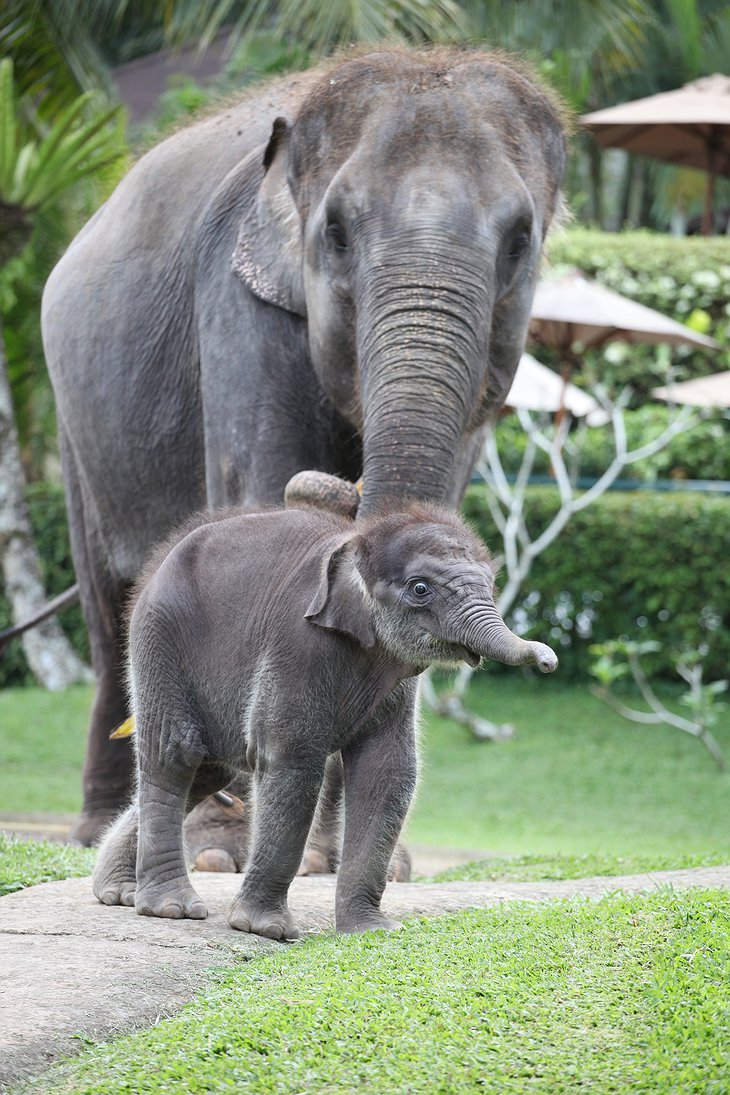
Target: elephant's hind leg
166 779
109 765
115 876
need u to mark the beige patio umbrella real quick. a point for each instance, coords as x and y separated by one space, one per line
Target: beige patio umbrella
689 127
572 314
537 388
706 391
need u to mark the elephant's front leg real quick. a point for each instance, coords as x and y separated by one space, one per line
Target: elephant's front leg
286 797
380 778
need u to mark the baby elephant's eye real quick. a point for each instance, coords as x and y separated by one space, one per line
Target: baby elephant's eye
420 588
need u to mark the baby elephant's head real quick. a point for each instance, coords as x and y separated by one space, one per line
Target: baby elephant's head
422 584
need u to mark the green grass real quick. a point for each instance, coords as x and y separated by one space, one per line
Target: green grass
42 742
28 862
628 994
623 995
576 779
538 868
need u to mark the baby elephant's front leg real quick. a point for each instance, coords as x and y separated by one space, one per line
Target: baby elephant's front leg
286 797
380 778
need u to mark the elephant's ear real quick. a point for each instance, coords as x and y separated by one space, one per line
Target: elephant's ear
341 602
268 253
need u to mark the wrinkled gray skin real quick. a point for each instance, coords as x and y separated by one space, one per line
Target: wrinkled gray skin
335 274
278 643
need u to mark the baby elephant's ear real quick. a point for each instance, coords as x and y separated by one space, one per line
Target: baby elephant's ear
340 602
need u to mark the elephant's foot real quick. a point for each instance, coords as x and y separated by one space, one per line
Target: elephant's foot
215 838
399 869
247 915
365 920
175 900
319 860
115 892
215 859
90 828
114 880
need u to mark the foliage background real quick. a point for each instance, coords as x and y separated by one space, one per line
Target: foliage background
685 277
640 563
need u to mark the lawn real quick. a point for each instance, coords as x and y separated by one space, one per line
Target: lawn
626 994
575 780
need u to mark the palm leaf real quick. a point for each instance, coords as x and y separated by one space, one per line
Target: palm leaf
35 174
8 125
24 165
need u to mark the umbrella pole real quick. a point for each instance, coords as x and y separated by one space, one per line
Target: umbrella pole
567 363
709 201
709 190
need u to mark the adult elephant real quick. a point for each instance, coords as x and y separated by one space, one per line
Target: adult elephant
336 273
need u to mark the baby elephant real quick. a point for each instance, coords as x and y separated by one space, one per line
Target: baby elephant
268 642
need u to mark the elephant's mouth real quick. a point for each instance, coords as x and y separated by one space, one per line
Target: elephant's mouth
448 653
464 654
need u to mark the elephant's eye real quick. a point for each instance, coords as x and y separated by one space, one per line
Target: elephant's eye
518 247
419 588
336 236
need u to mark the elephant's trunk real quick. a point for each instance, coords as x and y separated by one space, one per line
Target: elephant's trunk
422 349
487 635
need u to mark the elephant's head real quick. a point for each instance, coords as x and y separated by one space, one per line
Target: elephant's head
421 584
402 212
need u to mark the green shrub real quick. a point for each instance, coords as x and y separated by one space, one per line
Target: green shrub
637 564
685 278
702 452
50 528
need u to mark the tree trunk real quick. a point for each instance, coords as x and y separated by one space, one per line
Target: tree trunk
50 656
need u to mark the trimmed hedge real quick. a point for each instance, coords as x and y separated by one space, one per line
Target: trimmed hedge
50 527
636 564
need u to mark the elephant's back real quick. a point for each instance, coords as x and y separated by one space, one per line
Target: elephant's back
171 184
244 568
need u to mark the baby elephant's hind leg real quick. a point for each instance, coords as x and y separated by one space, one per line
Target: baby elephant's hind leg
115 880
163 886
166 777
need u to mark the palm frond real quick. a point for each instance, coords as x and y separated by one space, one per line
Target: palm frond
34 171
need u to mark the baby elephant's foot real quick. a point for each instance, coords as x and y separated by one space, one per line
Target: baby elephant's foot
273 923
114 891
176 900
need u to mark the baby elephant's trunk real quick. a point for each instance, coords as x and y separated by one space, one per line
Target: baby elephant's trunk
490 637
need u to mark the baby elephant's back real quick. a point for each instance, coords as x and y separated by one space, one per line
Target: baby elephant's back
223 589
